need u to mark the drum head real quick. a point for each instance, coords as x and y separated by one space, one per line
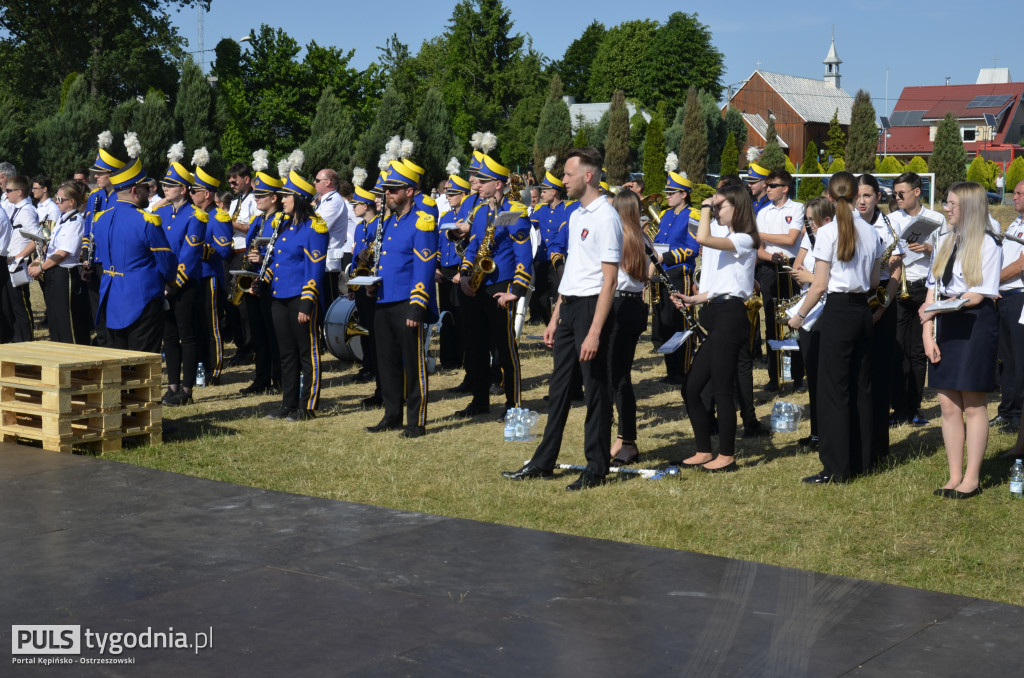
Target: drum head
342 330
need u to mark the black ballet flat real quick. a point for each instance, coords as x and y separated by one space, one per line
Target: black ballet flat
728 468
944 492
956 494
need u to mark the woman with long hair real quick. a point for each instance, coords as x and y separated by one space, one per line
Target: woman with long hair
727 280
817 213
846 267
961 345
629 320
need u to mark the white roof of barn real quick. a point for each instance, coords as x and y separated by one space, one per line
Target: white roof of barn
592 113
760 125
813 100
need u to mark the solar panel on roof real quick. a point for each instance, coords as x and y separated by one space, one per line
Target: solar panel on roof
989 100
906 118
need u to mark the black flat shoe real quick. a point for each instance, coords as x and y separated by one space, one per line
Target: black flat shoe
300 415
255 389
527 472
823 478
587 480
473 411
372 402
279 413
957 494
728 468
384 425
413 432
809 441
944 492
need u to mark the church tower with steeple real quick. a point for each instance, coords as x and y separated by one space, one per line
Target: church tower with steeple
832 62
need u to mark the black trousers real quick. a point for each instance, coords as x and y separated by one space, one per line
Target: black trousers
883 364
666 320
299 344
145 334
543 280
491 325
211 341
629 320
332 281
1011 366
716 362
451 328
908 381
6 331
92 292
366 307
402 363
263 337
574 322
769 278
810 347
67 306
180 346
237 317
844 386
19 313
744 387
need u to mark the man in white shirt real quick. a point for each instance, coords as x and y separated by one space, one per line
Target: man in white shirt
1011 332
333 209
24 219
347 192
242 210
908 382
780 224
7 170
580 323
42 188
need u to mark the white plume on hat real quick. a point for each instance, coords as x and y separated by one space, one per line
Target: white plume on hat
549 162
488 142
260 160
105 139
132 145
453 166
476 140
683 175
176 152
753 154
200 157
406 151
358 176
384 161
284 166
394 148
295 159
671 162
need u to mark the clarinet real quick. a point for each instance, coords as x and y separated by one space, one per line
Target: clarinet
688 314
258 283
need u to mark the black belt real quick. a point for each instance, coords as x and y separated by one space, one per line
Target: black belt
568 299
722 298
852 296
1010 293
628 295
917 283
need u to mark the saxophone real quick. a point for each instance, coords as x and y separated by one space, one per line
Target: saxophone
881 296
369 257
483 264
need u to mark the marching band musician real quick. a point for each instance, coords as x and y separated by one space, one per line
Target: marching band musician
493 305
424 203
365 297
99 200
962 348
185 228
24 219
217 249
333 209
727 281
137 265
847 253
67 308
243 209
674 231
448 261
405 301
294 281
549 218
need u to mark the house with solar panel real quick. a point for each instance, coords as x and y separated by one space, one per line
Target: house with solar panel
989 111
802 108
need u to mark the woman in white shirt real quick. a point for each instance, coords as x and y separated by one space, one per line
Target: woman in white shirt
818 212
961 345
67 306
846 266
727 281
629 320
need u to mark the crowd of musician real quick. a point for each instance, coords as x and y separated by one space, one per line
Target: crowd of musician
287 266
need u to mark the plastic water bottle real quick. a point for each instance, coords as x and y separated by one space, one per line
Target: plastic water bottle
531 425
1017 480
200 375
777 417
510 425
301 382
520 429
787 368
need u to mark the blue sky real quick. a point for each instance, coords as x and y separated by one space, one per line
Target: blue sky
920 46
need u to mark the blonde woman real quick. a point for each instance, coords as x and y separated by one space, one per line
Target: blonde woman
961 345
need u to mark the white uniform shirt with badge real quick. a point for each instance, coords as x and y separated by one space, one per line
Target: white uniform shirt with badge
918 270
595 237
991 266
334 211
246 211
67 237
728 272
48 211
1012 252
853 275
23 220
780 221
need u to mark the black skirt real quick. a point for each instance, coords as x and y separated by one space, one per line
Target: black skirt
967 340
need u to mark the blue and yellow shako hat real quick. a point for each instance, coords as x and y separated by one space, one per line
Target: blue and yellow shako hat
474 164
177 175
296 185
204 180
264 184
414 168
400 175
755 173
127 178
456 184
492 170
551 181
677 182
364 196
106 163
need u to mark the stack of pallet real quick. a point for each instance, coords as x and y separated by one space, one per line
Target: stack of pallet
66 396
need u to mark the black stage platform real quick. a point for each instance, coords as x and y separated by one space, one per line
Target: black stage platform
299 586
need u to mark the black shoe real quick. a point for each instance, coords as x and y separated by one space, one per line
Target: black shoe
771 387
372 402
497 390
809 442
672 379
823 478
756 430
364 377
473 411
800 387
241 358
413 432
213 381
528 472
1012 429
587 480
279 413
170 398
997 421
728 468
255 389
957 494
944 492
384 425
300 415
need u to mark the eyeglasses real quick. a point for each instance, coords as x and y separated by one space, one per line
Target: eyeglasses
950 205
902 194
59 200
11 190
775 185
318 180
37 188
193 191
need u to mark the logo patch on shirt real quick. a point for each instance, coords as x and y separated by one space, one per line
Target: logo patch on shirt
584 234
789 220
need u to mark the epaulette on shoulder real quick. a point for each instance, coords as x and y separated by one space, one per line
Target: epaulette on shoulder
254 217
425 221
514 206
150 217
429 202
223 216
93 191
201 215
276 220
319 225
663 213
96 216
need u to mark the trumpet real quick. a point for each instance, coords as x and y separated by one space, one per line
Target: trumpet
650 204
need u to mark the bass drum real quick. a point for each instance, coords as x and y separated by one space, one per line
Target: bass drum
342 330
